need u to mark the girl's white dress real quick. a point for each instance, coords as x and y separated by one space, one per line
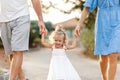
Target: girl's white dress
60 67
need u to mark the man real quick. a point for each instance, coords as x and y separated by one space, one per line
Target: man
15 27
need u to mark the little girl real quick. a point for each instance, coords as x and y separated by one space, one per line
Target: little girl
60 66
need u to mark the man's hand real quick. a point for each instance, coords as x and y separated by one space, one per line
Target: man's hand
42 28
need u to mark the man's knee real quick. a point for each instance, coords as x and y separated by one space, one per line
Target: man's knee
17 54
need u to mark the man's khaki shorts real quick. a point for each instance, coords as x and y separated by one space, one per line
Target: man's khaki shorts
15 34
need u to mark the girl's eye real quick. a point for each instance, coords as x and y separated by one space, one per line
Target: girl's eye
59 40
56 40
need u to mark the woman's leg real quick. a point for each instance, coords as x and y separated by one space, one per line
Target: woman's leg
112 66
103 66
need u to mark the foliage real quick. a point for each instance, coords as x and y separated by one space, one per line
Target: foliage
34 33
87 39
87 35
49 26
77 5
34 39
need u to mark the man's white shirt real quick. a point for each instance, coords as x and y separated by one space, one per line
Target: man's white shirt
12 9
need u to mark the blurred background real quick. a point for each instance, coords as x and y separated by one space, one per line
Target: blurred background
67 14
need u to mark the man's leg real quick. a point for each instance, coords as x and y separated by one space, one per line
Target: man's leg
16 66
21 74
10 57
103 66
112 66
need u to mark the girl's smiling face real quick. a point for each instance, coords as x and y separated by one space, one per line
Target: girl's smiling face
59 41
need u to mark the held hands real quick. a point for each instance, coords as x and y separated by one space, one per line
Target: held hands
77 31
42 28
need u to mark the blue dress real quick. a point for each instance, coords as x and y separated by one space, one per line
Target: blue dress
107 26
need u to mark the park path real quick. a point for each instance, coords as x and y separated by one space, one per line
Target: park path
36 64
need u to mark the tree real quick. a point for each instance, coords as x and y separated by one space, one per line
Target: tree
49 26
34 33
76 5
34 39
87 35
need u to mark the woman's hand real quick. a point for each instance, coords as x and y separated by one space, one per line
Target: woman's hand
77 31
84 14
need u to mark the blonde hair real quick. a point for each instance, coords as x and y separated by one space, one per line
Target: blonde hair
59 31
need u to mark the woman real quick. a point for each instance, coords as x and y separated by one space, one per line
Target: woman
107 33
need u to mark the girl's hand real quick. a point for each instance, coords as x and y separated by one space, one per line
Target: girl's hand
75 37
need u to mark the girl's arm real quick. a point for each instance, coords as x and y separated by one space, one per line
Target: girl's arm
48 45
73 45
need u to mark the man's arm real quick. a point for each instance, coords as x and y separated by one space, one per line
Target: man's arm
38 10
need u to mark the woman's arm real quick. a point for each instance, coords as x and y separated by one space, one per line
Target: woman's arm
84 14
48 45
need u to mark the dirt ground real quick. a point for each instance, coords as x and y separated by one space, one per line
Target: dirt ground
36 64
4 62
